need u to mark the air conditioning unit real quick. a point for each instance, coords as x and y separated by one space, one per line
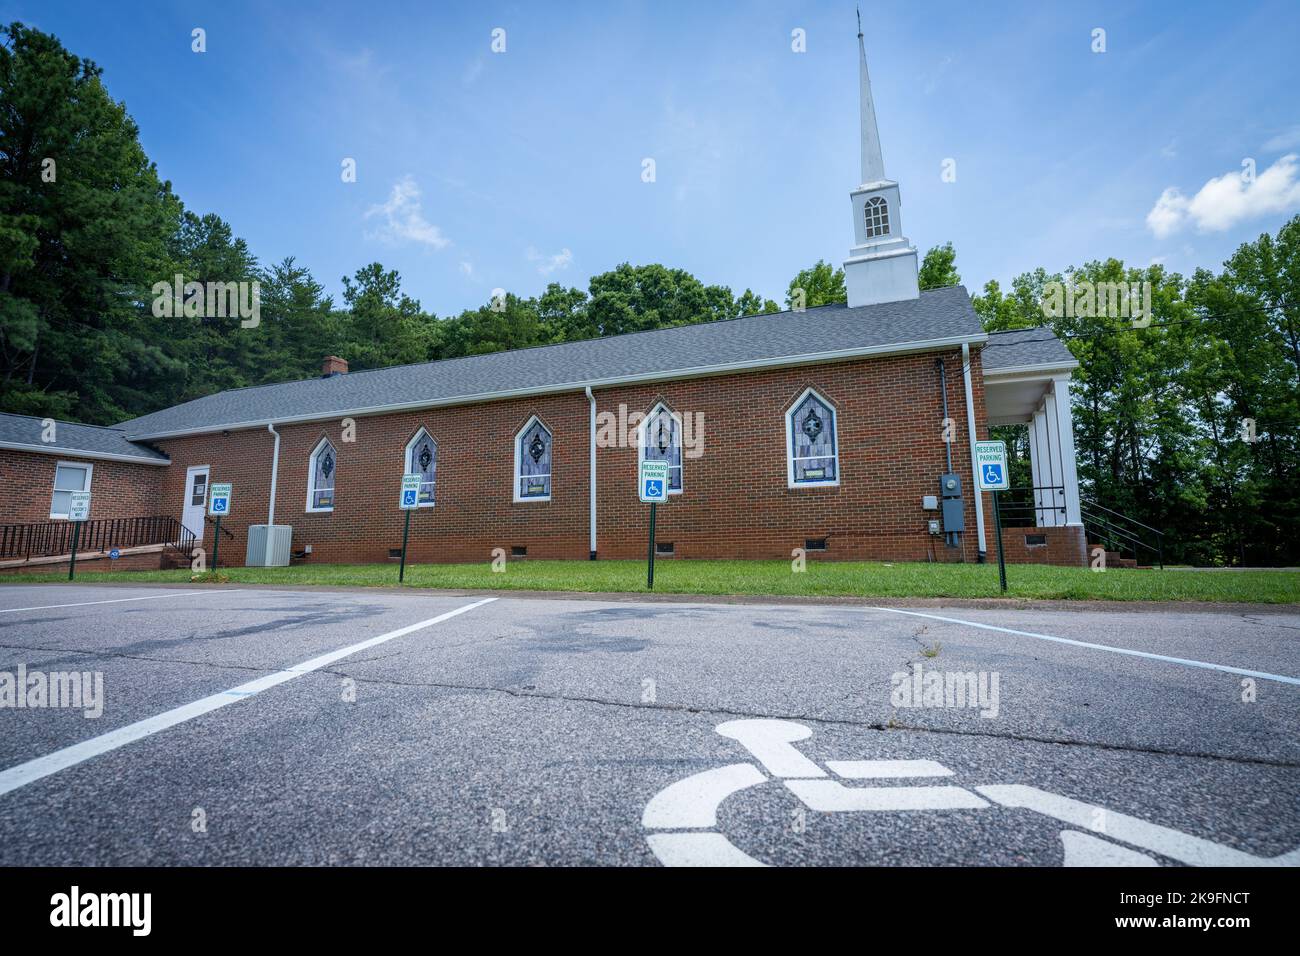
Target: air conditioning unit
268 545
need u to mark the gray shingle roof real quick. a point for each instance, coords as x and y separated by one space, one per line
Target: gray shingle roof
1020 347
940 315
74 440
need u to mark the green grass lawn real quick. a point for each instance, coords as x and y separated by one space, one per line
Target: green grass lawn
853 579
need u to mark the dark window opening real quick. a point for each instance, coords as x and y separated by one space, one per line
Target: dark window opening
518 552
815 544
1035 539
395 553
663 547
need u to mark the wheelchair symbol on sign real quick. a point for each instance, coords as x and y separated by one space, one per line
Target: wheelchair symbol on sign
408 499
654 489
992 474
682 819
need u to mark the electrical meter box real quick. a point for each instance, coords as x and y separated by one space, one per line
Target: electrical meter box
950 498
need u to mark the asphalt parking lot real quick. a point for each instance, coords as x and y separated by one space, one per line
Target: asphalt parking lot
257 726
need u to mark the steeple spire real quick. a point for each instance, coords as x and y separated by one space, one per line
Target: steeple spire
873 163
881 266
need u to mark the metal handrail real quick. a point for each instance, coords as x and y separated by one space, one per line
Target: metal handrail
47 538
1091 503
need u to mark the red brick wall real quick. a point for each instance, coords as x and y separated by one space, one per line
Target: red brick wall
736 501
1064 546
92 562
118 489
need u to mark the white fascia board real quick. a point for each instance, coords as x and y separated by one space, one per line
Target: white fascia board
1016 372
81 453
840 355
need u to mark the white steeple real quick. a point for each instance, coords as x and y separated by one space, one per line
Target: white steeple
882 265
873 163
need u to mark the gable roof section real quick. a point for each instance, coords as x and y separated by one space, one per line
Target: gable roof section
1025 349
938 318
23 433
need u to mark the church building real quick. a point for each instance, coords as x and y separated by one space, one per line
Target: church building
843 431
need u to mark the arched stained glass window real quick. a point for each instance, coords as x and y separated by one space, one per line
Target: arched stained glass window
877 213
812 447
320 477
533 462
422 460
661 440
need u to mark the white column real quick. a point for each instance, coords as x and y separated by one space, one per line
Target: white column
1034 453
1046 517
1055 498
970 429
1065 428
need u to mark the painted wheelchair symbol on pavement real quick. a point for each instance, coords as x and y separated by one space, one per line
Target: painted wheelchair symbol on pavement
683 817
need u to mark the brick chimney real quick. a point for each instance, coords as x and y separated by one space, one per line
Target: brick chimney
334 366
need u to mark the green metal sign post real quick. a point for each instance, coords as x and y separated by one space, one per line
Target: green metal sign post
219 498
992 474
408 502
76 538
1002 561
652 488
650 551
78 513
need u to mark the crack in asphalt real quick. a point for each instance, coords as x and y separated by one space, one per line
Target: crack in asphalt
891 726
830 721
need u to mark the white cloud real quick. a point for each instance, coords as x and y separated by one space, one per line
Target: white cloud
467 268
402 218
1287 139
549 264
1227 200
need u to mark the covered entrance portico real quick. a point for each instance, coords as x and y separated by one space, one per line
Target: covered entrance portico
1027 382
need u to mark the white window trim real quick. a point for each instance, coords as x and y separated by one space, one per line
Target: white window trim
640 442
876 202
90 475
406 463
789 442
311 474
519 457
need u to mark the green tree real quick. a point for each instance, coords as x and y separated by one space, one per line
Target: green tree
821 285
384 326
939 268
84 221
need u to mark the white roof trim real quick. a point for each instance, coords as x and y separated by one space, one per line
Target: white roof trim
1012 370
840 355
81 453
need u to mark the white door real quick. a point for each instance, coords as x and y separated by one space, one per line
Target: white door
196 499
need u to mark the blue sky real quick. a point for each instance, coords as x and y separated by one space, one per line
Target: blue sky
478 169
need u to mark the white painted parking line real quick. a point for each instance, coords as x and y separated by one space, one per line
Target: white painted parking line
698 849
40 767
771 742
150 597
694 802
831 796
1182 847
886 769
1204 665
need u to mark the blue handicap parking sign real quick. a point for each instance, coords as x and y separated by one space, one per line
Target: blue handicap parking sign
408 498
654 488
218 506
992 474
